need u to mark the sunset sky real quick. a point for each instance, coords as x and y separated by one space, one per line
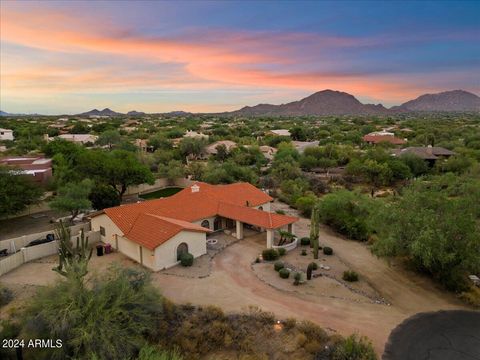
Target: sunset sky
73 56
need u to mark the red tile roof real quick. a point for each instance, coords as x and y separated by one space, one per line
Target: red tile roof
383 138
151 230
153 222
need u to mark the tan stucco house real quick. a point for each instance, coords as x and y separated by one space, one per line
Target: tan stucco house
154 233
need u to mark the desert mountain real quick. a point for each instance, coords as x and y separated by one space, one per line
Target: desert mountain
135 113
326 102
104 112
456 100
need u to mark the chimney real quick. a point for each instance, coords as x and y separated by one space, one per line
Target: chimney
195 188
429 149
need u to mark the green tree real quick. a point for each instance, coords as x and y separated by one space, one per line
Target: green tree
16 192
103 196
109 319
73 198
109 138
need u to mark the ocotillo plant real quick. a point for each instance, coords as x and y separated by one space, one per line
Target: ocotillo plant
73 261
314 230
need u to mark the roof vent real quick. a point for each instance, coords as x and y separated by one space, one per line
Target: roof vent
195 188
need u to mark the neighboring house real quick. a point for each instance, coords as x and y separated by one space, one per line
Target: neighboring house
212 148
156 232
195 135
6 134
302 145
278 132
429 153
39 169
383 136
79 138
268 151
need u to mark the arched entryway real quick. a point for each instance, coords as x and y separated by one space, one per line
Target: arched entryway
182 249
260 208
205 224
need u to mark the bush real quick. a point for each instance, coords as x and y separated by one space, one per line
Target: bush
284 273
304 252
186 259
278 265
353 348
5 296
472 296
297 277
350 275
270 254
281 212
313 265
304 241
257 259
327 250
282 251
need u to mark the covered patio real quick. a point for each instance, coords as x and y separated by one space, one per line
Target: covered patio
239 219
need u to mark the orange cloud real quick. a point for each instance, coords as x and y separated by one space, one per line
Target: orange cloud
238 60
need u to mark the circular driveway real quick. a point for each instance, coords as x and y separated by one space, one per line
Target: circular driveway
442 335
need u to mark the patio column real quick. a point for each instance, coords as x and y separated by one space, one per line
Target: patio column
239 230
291 229
270 234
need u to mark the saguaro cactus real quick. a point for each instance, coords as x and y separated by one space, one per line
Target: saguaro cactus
315 231
73 261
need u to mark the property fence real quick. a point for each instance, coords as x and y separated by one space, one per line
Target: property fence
15 244
25 254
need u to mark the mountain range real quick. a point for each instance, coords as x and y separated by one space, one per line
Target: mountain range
330 102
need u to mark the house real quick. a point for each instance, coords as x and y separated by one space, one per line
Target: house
378 137
268 151
38 168
429 153
6 134
195 135
278 132
302 145
156 232
79 138
212 148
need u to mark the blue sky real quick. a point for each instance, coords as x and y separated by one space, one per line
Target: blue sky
67 57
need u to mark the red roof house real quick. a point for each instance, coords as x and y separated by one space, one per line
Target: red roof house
156 232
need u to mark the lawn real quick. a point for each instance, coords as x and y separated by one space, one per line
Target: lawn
161 193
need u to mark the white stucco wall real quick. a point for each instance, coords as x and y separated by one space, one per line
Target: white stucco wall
166 254
210 220
110 228
266 207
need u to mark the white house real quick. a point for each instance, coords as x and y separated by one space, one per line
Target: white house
6 134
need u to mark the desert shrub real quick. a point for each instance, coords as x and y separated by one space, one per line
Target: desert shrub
186 259
348 213
257 259
284 273
282 251
304 241
304 252
109 319
312 331
327 250
278 265
472 296
281 212
270 254
354 348
314 265
350 275
6 296
297 278
149 352
289 323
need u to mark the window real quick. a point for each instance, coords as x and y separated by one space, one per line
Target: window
260 208
102 231
205 224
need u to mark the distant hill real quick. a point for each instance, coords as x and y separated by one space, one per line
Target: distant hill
135 113
104 112
3 113
456 100
326 102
